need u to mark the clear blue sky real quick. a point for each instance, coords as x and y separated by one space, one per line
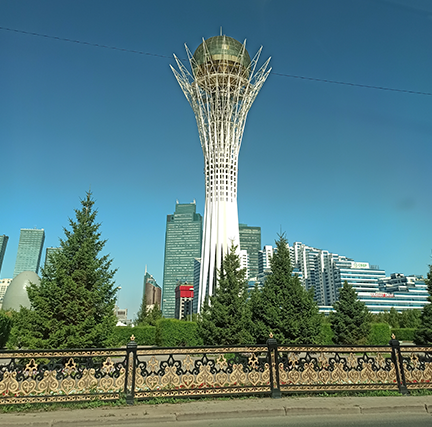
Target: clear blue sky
341 168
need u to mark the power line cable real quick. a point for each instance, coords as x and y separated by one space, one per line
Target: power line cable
83 42
169 57
353 84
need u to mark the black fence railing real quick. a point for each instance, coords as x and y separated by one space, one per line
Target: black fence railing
271 369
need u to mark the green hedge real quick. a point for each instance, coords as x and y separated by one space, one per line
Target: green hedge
380 334
327 334
177 333
5 328
144 335
404 334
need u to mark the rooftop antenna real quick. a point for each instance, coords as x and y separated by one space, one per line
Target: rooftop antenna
221 30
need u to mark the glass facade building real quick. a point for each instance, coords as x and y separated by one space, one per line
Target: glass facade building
182 245
29 250
250 241
3 242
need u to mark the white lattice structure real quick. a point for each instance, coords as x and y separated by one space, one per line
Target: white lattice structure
221 87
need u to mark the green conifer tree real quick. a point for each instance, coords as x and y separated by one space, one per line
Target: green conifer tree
423 335
350 321
143 312
154 315
225 318
73 307
283 306
410 318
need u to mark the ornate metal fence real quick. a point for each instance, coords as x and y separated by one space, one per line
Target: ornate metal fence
142 373
31 376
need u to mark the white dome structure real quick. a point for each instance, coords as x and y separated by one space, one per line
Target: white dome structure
16 293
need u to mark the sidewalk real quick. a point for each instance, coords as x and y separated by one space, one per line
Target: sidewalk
220 409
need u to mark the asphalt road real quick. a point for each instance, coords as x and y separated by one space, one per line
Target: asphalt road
360 420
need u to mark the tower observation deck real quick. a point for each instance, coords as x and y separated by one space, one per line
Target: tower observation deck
221 88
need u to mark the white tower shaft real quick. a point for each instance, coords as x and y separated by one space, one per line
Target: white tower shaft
220 97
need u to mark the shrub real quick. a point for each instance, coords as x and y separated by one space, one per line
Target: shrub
404 334
177 333
326 337
380 334
144 335
5 328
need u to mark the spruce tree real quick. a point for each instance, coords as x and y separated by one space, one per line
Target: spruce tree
423 335
350 321
283 306
225 317
73 307
142 312
154 314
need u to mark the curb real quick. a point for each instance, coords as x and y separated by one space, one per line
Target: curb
128 416
196 416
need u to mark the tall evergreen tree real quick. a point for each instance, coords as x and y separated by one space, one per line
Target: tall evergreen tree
225 318
142 312
148 316
73 307
410 318
283 306
154 314
423 335
350 321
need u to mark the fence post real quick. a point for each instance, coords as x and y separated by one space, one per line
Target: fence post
399 365
131 350
273 358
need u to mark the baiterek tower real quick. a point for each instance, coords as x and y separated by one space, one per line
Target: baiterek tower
221 87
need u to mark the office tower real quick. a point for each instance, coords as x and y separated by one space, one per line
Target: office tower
29 250
182 245
220 88
3 243
48 253
250 240
152 291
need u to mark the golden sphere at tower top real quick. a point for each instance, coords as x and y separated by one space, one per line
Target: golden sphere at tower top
222 54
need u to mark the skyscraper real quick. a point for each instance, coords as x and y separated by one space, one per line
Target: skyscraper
250 240
29 250
220 90
152 291
3 243
182 245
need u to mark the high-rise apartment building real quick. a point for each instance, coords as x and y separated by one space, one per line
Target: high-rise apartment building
182 245
184 293
29 250
250 241
244 261
4 283
3 243
221 87
326 272
264 257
